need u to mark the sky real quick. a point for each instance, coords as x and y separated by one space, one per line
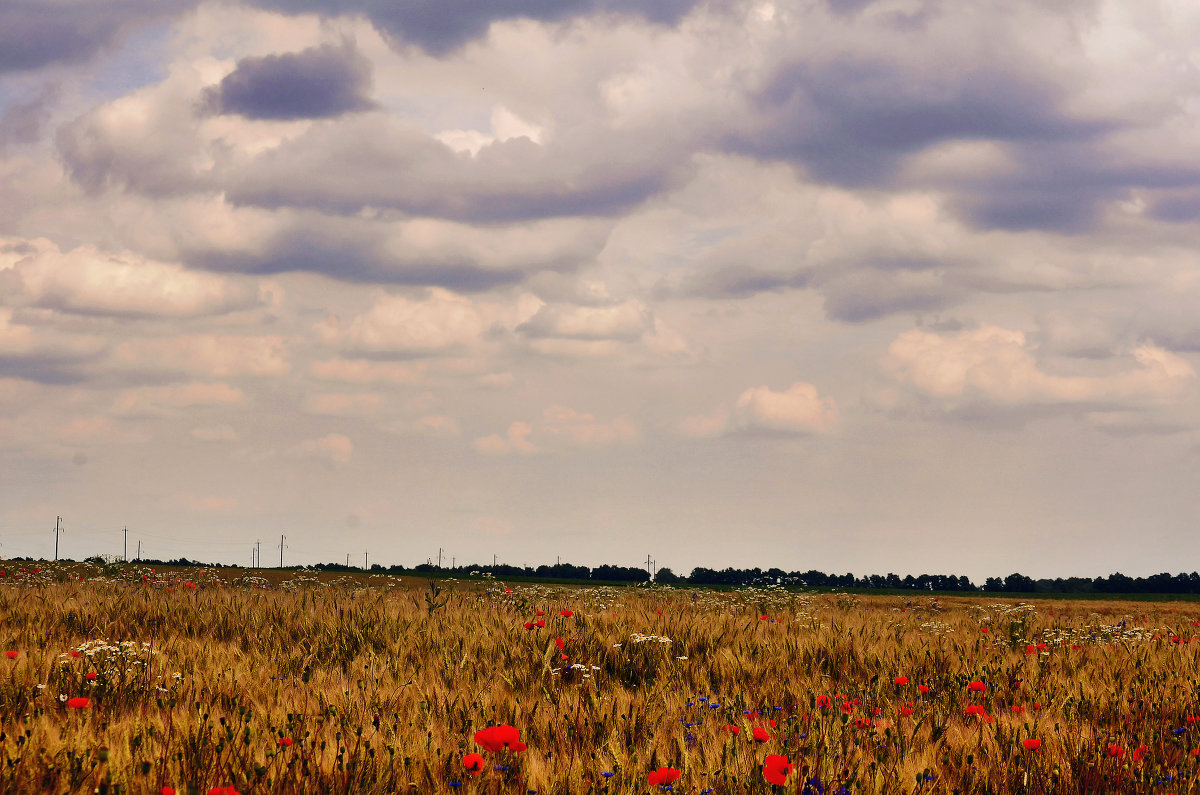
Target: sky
863 286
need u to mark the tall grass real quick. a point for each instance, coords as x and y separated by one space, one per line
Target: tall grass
380 687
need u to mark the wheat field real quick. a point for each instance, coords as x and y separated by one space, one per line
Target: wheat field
123 679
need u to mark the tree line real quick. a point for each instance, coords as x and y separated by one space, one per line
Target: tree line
1117 583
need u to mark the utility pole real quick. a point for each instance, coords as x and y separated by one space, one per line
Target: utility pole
364 560
139 551
57 529
558 560
648 571
126 555
347 560
439 557
281 550
258 546
452 560
493 560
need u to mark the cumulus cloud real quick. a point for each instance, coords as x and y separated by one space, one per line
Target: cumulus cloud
216 355
996 366
320 82
87 280
799 409
36 34
559 428
438 322
150 401
436 425
442 26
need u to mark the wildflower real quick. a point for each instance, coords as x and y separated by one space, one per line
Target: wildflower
901 680
473 763
541 622
79 702
497 738
222 791
760 734
91 675
567 613
560 643
977 687
664 775
528 625
540 612
923 689
905 712
1031 744
1139 753
823 701
285 741
166 791
1115 751
10 654
776 768
729 727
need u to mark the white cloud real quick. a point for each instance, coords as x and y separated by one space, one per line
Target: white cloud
505 126
516 440
584 430
88 280
437 425
441 321
994 365
157 400
798 409
217 355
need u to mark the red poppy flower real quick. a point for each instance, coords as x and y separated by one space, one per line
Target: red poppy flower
1139 753
473 763
1115 751
905 712
79 702
540 612
922 689
528 625
567 613
776 769
823 701
167 791
762 618
1030 649
977 687
734 730
901 680
75 653
847 707
760 734
984 630
495 738
664 775
559 642
91 674
1031 744
222 791
10 654
285 741
541 622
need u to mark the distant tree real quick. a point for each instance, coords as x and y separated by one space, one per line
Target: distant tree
666 576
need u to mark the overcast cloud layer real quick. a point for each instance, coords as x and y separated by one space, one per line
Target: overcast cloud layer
896 286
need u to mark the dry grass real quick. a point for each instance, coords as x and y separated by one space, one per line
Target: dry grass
381 685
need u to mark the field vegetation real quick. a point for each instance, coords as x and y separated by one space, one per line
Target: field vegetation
124 679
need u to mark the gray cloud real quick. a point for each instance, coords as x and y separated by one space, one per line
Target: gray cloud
317 83
23 119
853 120
37 33
439 26
374 163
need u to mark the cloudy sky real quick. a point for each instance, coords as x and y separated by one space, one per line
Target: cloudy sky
896 286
